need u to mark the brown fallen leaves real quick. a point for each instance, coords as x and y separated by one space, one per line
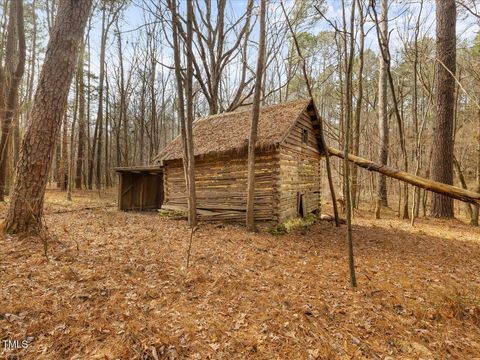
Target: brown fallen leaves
125 292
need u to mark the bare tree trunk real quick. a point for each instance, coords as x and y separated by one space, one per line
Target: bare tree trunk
475 210
153 106
418 129
33 57
108 179
341 138
123 102
64 157
188 165
250 221
90 151
58 160
51 9
213 54
16 138
81 123
401 132
385 55
101 80
142 119
348 121
72 139
358 108
442 161
91 157
324 144
10 79
192 198
26 208
383 127
463 183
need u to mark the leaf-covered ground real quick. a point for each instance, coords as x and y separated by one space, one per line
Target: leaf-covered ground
115 286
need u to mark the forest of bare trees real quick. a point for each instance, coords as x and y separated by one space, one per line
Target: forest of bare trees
397 85
239 179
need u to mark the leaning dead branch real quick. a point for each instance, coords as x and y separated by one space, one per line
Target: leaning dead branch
434 186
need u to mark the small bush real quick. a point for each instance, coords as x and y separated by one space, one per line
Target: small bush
301 224
172 214
277 230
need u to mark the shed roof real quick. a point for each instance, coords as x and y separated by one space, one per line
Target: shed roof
229 132
139 169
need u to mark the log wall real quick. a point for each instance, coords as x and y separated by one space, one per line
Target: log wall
221 187
300 171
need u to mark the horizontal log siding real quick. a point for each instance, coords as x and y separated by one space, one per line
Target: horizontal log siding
221 186
300 170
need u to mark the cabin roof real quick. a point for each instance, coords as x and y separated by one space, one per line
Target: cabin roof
229 132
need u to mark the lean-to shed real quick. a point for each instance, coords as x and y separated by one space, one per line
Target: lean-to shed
287 168
140 188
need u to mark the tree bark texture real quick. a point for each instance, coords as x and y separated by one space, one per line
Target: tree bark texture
383 128
255 115
358 106
181 100
11 77
49 106
192 197
82 123
475 211
442 160
348 123
64 158
98 172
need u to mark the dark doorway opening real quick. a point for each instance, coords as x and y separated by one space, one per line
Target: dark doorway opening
140 188
301 205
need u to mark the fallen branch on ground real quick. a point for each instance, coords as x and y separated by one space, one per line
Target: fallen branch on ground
84 208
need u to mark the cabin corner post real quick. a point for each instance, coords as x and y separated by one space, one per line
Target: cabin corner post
276 188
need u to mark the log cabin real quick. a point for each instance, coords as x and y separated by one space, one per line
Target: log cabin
288 166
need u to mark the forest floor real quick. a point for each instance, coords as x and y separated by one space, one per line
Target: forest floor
115 286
